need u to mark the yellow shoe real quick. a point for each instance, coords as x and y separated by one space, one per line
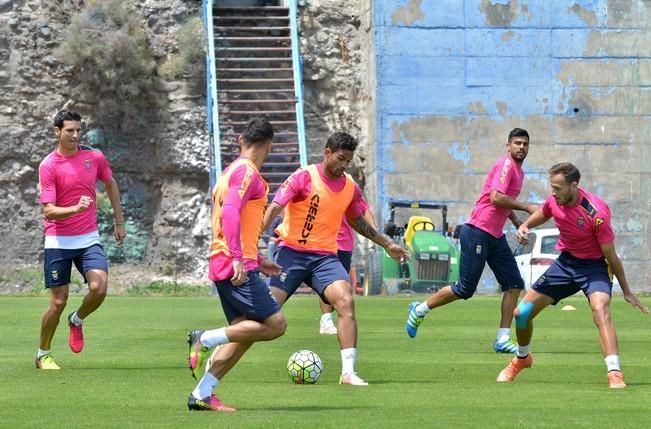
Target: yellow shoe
514 367
616 380
46 362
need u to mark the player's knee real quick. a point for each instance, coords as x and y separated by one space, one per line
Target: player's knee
601 315
345 306
57 305
461 291
277 327
523 314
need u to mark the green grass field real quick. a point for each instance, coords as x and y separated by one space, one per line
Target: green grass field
133 374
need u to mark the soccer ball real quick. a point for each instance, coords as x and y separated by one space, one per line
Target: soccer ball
304 367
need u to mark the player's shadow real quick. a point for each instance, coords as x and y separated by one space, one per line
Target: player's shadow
302 408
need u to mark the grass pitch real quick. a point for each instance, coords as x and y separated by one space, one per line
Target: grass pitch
133 373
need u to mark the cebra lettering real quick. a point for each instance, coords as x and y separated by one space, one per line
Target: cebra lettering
310 218
505 170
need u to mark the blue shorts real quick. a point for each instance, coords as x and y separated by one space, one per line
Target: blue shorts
567 275
252 300
57 264
317 271
346 258
478 248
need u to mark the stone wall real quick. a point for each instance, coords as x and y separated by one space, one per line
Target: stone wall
162 169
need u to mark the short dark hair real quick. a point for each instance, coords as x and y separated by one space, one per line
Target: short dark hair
568 170
258 130
518 132
65 115
340 140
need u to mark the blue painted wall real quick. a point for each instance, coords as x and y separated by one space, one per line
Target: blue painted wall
454 76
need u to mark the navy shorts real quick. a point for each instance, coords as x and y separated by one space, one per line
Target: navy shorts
478 248
57 264
568 275
317 271
252 300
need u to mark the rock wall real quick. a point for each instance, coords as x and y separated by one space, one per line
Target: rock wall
162 169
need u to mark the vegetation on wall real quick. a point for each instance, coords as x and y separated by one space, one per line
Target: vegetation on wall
111 65
134 246
190 58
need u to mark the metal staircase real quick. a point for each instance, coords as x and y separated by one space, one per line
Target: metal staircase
254 70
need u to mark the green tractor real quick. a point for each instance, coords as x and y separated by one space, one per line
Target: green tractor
434 255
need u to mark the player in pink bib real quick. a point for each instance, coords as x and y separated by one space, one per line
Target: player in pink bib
483 242
586 261
67 180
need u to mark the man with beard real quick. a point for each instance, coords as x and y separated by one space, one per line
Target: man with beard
482 241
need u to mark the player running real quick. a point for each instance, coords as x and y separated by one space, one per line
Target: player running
67 186
240 198
315 200
586 242
482 241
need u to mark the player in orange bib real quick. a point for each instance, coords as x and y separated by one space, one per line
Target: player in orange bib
239 199
315 200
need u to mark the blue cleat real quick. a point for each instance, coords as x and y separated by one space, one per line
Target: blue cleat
413 320
507 346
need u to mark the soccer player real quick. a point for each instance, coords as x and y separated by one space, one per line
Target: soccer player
67 180
315 199
345 245
588 255
239 198
482 241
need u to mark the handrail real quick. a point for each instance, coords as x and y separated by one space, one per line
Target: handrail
297 65
212 112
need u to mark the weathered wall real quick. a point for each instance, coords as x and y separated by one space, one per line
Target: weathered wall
455 76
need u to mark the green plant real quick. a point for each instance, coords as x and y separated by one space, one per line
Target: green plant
191 52
134 246
111 65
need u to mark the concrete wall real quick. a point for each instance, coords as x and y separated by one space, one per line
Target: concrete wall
453 77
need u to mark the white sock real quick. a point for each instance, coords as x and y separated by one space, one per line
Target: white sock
206 386
348 360
75 319
523 351
612 362
214 337
42 352
503 335
326 317
422 308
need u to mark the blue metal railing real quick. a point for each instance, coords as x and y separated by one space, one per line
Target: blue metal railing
212 112
297 65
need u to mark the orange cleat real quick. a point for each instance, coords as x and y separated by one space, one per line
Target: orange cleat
616 380
514 367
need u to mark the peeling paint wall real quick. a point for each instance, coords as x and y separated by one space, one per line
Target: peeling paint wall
454 76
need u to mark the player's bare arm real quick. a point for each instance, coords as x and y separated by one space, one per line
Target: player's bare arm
113 193
273 210
364 228
536 219
53 212
515 220
504 201
617 268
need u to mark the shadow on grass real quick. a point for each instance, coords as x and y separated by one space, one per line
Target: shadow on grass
306 408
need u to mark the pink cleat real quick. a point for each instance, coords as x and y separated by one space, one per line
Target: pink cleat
76 339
